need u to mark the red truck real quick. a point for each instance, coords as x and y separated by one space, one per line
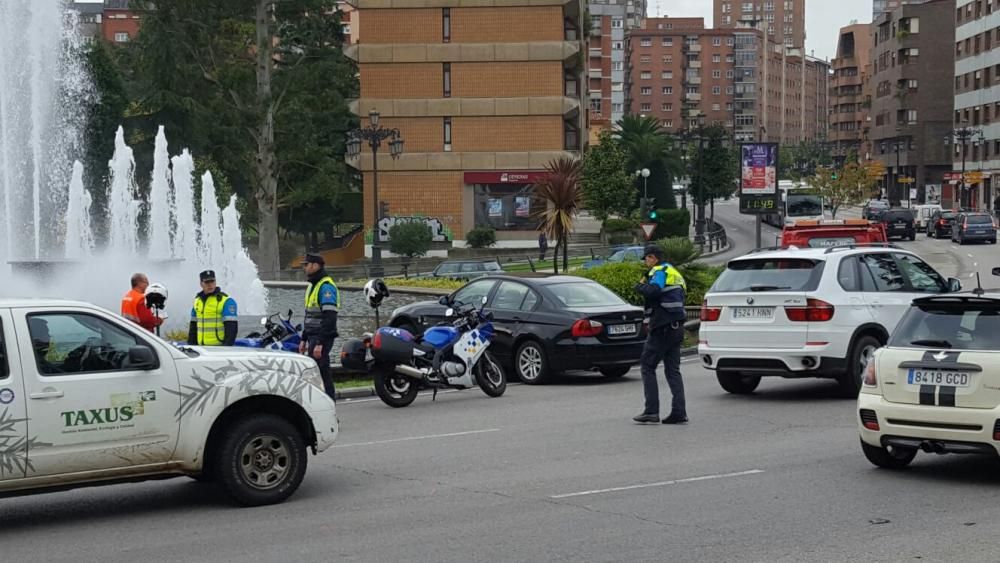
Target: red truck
832 232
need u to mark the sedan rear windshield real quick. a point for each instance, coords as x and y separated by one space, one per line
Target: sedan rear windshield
769 274
958 326
978 219
583 294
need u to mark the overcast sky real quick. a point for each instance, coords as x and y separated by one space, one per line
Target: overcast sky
823 18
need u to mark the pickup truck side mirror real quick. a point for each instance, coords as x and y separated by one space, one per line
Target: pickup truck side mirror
954 285
141 357
996 271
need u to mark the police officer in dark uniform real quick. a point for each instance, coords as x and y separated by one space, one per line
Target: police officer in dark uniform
320 327
663 289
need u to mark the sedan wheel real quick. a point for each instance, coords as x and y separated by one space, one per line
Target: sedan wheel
530 363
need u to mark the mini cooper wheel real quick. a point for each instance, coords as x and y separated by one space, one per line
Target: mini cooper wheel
261 460
890 457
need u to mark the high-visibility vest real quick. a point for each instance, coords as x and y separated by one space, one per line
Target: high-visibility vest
674 276
314 310
130 305
209 318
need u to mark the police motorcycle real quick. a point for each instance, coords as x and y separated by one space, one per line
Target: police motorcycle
278 334
451 355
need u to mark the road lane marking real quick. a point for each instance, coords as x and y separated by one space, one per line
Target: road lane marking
411 438
660 483
969 255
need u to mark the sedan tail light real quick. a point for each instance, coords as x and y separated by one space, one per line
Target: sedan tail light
709 315
586 327
815 311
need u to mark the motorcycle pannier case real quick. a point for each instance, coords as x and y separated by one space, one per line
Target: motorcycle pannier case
352 355
392 345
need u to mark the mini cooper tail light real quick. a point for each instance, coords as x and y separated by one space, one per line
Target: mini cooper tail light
871 376
868 419
996 430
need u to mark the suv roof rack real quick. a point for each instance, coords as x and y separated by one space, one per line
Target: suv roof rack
860 245
771 248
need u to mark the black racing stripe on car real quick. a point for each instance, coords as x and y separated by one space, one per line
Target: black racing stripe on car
926 394
946 396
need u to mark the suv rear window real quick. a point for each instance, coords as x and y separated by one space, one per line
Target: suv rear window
978 219
769 274
950 325
897 215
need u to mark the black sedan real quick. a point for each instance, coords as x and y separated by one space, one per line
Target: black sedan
546 325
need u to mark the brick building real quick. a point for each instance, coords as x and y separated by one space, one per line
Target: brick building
610 20
784 21
977 94
484 96
850 92
880 7
912 72
686 75
120 23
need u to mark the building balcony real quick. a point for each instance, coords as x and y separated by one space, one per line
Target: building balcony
594 73
467 107
694 64
692 97
462 52
695 48
694 80
441 161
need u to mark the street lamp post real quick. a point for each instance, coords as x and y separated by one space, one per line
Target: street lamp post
963 135
644 173
374 136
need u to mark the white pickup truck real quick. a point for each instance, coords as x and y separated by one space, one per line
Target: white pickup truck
88 398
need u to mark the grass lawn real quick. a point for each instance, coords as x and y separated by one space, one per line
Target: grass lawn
352 382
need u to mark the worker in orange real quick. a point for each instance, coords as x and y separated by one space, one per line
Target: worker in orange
134 304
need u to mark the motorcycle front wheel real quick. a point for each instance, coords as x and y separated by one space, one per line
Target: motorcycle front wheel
395 390
490 376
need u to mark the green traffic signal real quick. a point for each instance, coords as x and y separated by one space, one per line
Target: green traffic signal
652 214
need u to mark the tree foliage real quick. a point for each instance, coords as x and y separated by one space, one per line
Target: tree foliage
607 187
850 185
410 239
260 87
560 190
650 146
802 160
714 167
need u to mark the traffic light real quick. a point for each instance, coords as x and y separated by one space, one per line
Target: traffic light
650 207
652 214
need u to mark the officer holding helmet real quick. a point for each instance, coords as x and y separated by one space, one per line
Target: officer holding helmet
663 289
320 326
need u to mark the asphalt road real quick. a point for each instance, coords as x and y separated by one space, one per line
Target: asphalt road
554 473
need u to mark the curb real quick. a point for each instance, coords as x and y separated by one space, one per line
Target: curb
396 289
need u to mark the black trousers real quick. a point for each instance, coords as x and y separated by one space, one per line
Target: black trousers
325 369
663 344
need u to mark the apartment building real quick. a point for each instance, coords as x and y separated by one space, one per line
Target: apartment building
484 97
850 92
120 21
977 96
880 7
795 105
783 21
911 75
610 20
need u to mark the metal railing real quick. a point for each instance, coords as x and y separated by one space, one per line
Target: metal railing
713 240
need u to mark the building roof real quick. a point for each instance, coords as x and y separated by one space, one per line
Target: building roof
116 4
88 7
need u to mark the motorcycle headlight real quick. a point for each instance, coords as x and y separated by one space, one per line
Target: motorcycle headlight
311 375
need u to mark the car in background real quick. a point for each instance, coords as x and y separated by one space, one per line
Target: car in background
621 254
809 312
874 209
936 386
940 223
922 214
832 232
466 269
974 226
899 222
545 325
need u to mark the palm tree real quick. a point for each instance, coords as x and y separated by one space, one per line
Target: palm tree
560 190
650 146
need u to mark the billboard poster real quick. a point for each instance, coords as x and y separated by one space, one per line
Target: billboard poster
759 169
496 207
522 206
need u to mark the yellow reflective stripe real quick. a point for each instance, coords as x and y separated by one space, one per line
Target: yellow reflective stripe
312 293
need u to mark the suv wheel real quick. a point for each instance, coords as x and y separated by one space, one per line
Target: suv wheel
737 383
888 458
261 460
861 354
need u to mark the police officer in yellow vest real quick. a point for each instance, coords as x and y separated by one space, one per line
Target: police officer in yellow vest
320 326
663 289
214 315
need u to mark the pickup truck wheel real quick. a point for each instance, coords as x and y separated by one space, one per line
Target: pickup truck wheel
737 383
261 460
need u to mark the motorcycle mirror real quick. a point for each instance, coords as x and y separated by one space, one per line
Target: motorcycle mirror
450 312
289 314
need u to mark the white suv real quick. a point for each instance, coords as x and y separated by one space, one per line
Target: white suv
809 312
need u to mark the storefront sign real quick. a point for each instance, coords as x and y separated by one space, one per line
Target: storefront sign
505 177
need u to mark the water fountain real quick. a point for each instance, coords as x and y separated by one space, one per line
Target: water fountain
50 248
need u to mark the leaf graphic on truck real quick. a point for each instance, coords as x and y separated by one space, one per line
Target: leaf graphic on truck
15 447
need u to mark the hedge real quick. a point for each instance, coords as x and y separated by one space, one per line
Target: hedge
622 277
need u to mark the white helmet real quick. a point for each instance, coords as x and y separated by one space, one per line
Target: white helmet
375 291
156 295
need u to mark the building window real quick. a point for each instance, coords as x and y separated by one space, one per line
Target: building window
667 42
729 74
595 105
716 74
121 37
716 90
617 45
716 58
646 91
507 207
667 90
645 42
667 107
617 23
447 133
717 41
716 107
730 41
729 90
645 75
617 65
669 123
446 24
667 75
668 59
446 76
727 19
647 107
617 107
644 59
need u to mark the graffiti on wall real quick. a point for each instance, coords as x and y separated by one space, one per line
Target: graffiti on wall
439 232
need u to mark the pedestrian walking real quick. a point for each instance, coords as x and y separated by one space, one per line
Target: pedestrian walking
320 326
214 320
134 306
663 289
543 245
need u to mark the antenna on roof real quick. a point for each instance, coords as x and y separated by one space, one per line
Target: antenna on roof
979 286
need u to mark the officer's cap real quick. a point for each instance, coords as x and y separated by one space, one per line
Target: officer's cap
653 250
